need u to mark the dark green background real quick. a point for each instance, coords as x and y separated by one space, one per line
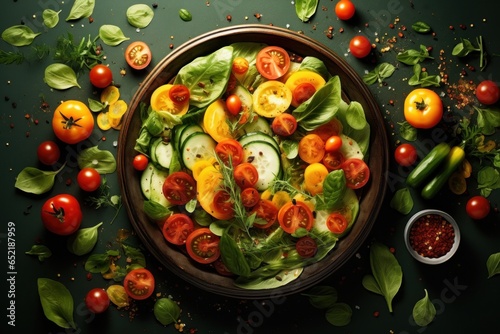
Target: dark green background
466 301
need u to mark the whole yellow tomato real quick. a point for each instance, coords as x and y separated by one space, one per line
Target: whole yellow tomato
72 122
423 108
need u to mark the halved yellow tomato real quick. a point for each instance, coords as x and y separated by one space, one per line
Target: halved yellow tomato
302 84
271 98
103 121
116 112
207 186
161 101
215 121
110 95
314 175
200 165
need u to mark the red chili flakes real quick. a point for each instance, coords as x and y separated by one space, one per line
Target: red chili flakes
432 236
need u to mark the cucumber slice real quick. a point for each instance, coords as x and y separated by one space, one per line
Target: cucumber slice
258 125
266 159
258 136
163 153
197 146
188 130
152 180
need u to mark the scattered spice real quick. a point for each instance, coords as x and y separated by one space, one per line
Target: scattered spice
432 236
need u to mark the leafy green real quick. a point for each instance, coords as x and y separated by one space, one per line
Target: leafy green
402 201
42 251
232 255
50 17
305 9
19 35
112 35
84 240
60 76
334 189
99 263
465 47
423 78
134 255
79 56
316 65
387 276
322 296
412 56
185 15
488 119
488 179
57 302
35 181
156 211
360 135
407 131
380 72
493 265
339 314
105 199
166 311
101 160
424 311
81 9
421 27
139 15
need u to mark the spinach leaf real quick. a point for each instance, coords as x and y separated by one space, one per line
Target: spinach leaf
402 201
35 181
339 314
424 311
166 311
112 35
305 9
57 302
185 15
42 251
99 263
139 15
50 18
488 119
156 211
465 47
322 296
407 131
386 271
355 116
424 79
83 241
80 9
232 256
207 77
380 72
19 35
421 27
412 56
316 65
488 178
334 188
370 284
361 136
321 107
290 148
493 265
101 160
60 76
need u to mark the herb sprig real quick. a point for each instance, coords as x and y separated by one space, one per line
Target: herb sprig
106 199
465 47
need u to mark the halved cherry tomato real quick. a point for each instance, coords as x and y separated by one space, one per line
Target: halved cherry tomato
303 84
177 227
161 100
356 173
179 94
245 175
311 148
222 204
215 121
332 128
271 98
138 55
306 247
333 144
221 268
273 62
295 215
179 188
140 162
423 108
333 160
240 65
203 246
229 149
72 122
139 283
233 104
284 125
336 223
266 210
360 46
302 93
208 181
250 197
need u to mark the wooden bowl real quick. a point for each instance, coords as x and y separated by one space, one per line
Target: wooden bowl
353 88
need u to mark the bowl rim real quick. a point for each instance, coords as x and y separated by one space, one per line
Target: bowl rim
427 260
378 139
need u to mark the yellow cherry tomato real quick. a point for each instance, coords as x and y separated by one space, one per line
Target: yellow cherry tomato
314 175
423 108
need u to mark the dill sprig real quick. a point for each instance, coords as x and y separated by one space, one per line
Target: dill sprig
16 57
106 199
79 56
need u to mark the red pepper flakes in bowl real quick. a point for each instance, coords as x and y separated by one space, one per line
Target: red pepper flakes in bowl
432 236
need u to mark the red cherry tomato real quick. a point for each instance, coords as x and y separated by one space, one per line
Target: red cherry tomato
179 188
302 93
306 247
203 246
229 149
89 179
333 144
488 92
478 207
345 9
179 94
405 154
250 197
139 283
48 152
356 173
267 212
360 46
101 76
222 205
336 223
233 104
61 214
294 215
245 175
140 162
97 300
333 160
177 227
284 125
273 62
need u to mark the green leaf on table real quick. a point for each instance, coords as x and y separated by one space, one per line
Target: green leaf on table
139 15
421 27
50 18
424 311
19 35
488 178
99 263
41 251
83 241
412 56
305 9
339 314
134 255
101 160
488 119
157 211
407 131
166 311
185 15
57 302
424 79
370 284
81 9
112 35
380 72
322 296
493 265
35 181
402 201
60 76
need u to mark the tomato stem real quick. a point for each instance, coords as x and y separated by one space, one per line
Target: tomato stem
420 105
69 122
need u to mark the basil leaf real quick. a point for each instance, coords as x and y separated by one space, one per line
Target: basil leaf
50 18
101 160
84 240
385 70
57 302
334 188
339 314
493 265
305 9
42 251
112 35
370 284
232 256
99 263
140 15
95 105
166 311
371 77
488 119
412 57
155 210
322 296
424 311
290 148
19 35
407 131
60 76
355 116
135 255
80 9
421 27
316 65
185 15
402 201
35 181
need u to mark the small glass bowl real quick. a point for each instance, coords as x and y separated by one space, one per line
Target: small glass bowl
431 260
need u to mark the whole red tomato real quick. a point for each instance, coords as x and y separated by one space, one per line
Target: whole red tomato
48 152
487 92
89 179
97 300
360 46
478 207
62 214
101 76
